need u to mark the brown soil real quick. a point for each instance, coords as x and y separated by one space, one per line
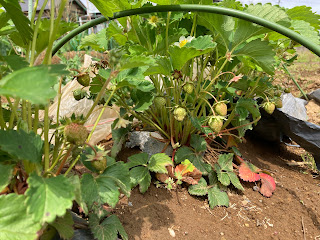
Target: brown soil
291 213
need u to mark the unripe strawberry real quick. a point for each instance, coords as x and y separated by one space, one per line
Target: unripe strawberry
79 94
188 88
100 165
216 123
278 103
75 133
83 79
221 108
239 92
159 102
269 107
179 113
287 90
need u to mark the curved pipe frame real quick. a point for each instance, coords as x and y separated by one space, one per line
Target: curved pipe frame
195 8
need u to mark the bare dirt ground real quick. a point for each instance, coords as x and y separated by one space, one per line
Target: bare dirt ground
293 212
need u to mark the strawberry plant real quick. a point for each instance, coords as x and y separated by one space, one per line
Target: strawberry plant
197 79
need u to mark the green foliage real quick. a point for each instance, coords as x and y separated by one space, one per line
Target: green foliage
26 83
64 226
16 224
48 198
21 145
158 163
106 187
108 228
5 175
97 42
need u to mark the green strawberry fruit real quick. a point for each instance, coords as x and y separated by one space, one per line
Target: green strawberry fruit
83 79
239 92
79 94
287 90
278 103
179 113
188 88
221 108
100 165
159 102
269 107
75 133
216 123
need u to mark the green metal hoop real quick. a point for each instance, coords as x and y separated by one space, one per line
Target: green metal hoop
195 8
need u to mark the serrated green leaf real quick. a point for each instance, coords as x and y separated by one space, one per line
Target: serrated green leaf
22 145
222 175
306 30
34 84
142 100
15 62
217 198
158 163
182 154
108 229
261 53
48 198
20 21
97 42
105 188
64 226
197 161
15 223
198 143
77 193
116 32
242 130
249 105
304 13
180 56
202 43
140 175
5 175
137 159
137 61
162 66
235 180
225 161
200 189
119 136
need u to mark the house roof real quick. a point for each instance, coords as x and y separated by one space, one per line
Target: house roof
24 5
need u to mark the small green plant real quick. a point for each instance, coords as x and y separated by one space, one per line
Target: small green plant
309 160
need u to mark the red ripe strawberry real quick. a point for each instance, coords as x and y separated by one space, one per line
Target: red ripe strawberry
269 107
216 123
159 102
83 79
188 88
179 113
75 133
221 109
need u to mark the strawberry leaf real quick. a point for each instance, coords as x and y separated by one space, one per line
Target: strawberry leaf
198 143
248 172
200 189
140 175
217 198
5 175
108 229
235 180
15 223
64 226
48 198
225 161
223 176
137 160
268 185
158 163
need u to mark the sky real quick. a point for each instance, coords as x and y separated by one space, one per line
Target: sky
315 4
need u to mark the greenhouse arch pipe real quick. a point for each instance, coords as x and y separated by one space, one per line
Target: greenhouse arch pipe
195 8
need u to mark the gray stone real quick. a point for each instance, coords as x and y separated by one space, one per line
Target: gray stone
148 143
315 95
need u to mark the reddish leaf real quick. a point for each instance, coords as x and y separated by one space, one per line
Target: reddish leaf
162 177
192 177
249 172
268 185
231 142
